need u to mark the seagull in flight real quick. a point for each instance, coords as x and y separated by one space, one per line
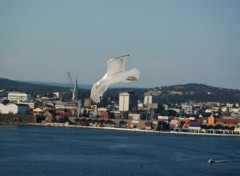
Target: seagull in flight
115 74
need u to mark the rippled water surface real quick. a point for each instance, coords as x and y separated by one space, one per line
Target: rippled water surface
49 151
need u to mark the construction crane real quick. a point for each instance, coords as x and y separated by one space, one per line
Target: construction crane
73 87
70 80
74 90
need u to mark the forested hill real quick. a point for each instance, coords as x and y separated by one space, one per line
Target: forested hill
165 94
195 92
34 89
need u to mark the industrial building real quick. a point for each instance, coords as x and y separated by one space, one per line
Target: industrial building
14 108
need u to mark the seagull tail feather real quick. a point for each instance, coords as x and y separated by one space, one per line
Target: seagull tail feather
133 75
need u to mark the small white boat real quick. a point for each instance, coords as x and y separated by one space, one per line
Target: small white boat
210 161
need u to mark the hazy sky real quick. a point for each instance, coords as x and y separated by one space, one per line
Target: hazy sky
170 41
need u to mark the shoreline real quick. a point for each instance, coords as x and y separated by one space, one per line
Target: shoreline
120 129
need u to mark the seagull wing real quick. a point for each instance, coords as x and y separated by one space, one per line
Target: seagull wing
97 92
116 65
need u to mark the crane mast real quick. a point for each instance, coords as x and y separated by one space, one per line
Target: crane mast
74 90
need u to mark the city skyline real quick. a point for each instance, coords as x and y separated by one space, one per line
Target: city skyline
170 42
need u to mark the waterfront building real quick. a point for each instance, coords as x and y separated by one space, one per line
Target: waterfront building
237 128
38 111
23 108
14 108
103 113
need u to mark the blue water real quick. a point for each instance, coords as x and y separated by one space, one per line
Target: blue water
49 151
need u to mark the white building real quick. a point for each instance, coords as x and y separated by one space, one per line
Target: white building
188 109
18 96
235 112
209 111
147 99
14 108
58 95
124 101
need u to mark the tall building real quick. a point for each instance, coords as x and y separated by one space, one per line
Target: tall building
124 101
147 99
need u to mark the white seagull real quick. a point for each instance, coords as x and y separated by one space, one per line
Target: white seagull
115 73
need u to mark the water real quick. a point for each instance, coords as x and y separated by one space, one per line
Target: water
49 151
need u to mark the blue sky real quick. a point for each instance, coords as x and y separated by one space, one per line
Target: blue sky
170 41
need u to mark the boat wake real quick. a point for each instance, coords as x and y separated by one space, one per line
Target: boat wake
211 161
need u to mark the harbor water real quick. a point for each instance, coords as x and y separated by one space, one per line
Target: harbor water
50 151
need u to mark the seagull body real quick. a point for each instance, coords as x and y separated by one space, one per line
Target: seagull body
115 73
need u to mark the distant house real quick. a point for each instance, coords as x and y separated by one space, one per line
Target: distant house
188 109
208 111
234 111
14 108
3 93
